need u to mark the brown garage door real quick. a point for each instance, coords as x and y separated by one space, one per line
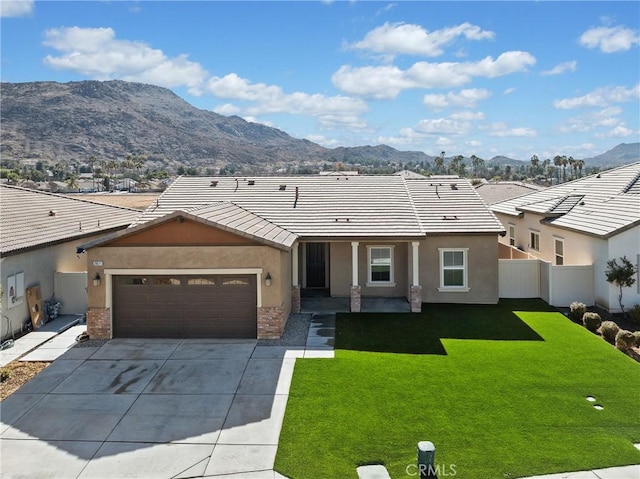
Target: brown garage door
215 306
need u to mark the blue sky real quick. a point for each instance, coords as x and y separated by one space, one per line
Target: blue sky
483 78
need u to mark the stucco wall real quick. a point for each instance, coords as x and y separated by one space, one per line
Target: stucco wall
340 269
482 269
579 249
193 257
582 249
39 267
624 244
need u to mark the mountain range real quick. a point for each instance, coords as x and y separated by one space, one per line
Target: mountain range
113 119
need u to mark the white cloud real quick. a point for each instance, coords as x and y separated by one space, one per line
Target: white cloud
467 115
473 143
331 111
561 68
610 39
603 96
466 98
16 8
227 109
444 141
606 122
96 53
509 91
501 130
442 126
619 131
404 38
323 140
388 81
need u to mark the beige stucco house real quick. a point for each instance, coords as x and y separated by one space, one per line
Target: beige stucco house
229 257
583 222
40 233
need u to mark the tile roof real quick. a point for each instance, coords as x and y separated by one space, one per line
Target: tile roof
601 205
223 215
30 218
233 218
339 206
495 192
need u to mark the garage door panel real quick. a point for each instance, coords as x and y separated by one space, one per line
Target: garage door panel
174 306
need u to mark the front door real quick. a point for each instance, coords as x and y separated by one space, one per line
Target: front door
316 265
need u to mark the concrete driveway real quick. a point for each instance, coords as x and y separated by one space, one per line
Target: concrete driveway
151 409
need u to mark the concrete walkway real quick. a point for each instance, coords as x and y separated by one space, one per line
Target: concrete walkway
60 334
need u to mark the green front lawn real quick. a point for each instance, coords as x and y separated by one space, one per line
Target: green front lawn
500 390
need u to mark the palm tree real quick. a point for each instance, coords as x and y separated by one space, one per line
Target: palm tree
534 165
580 164
478 164
564 168
72 182
507 172
439 160
557 162
574 165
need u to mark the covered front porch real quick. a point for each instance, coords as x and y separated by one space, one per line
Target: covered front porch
327 304
370 275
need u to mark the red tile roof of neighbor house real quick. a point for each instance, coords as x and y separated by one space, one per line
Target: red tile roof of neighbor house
600 205
360 206
31 219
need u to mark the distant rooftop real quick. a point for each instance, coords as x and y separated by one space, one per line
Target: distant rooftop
495 192
601 205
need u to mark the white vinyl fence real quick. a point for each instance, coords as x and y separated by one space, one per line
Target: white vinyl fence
557 285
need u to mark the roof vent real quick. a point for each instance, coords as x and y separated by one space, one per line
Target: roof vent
450 218
251 182
52 213
282 187
214 183
454 186
342 220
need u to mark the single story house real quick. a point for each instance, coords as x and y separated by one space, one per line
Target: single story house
40 235
588 221
228 257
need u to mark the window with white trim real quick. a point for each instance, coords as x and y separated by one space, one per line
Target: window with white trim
559 251
534 240
453 268
512 235
380 265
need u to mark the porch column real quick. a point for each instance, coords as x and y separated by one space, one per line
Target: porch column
295 285
355 287
416 289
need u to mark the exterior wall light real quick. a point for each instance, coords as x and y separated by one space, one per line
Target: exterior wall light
267 279
97 280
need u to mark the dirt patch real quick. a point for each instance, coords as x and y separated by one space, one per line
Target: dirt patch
139 201
16 373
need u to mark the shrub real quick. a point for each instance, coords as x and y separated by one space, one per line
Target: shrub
625 340
637 336
576 311
634 313
591 321
4 375
609 329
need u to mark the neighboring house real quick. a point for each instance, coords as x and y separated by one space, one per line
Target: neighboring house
40 235
584 222
228 257
497 191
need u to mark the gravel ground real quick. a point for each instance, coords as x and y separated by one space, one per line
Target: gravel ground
16 373
295 332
